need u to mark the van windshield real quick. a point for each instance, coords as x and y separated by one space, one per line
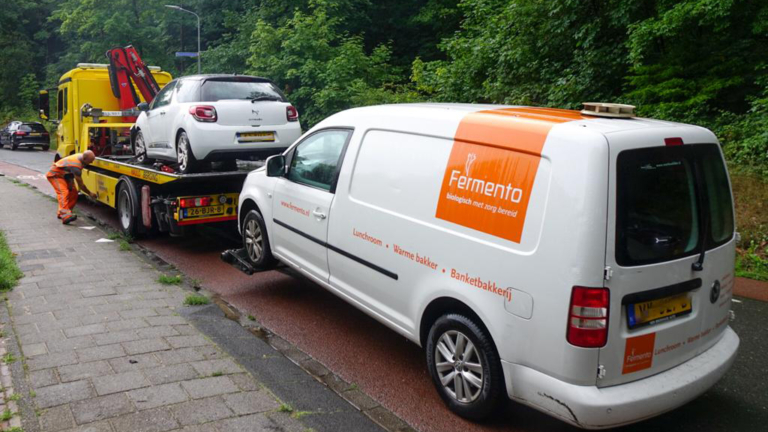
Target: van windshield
661 194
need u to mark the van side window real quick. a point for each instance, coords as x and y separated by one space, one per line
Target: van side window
315 161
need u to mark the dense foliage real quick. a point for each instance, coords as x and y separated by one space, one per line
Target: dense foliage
698 61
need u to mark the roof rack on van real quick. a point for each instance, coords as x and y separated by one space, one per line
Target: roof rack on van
601 109
104 66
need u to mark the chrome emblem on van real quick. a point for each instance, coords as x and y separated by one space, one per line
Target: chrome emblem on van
715 293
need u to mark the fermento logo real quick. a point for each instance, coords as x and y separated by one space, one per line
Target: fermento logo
638 353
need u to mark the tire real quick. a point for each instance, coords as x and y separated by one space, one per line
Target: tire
187 162
14 146
479 366
256 241
139 148
126 209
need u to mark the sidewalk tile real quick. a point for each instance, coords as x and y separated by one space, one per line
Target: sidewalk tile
84 370
201 411
209 367
60 394
206 387
119 382
153 397
43 378
101 408
188 341
56 419
156 420
134 363
173 373
100 353
146 346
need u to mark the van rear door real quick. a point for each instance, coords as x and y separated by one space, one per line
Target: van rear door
667 205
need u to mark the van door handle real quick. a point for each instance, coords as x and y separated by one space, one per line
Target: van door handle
162 112
318 214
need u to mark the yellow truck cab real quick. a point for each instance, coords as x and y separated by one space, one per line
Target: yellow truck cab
148 198
88 83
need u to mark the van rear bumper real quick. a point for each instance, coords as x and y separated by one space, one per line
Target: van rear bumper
591 407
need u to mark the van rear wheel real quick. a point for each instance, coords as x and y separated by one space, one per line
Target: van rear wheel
256 241
464 366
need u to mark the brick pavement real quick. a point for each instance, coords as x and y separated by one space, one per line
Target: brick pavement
103 347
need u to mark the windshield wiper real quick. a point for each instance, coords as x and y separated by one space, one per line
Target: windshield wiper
703 215
265 98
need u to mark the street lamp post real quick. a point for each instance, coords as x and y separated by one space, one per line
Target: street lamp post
179 8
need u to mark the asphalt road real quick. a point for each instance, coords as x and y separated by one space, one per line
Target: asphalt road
393 371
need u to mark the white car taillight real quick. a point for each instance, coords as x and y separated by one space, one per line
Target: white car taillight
292 113
203 113
588 317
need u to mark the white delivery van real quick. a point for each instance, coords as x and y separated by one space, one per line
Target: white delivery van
579 264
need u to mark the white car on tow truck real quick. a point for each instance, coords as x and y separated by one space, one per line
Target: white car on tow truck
581 263
215 118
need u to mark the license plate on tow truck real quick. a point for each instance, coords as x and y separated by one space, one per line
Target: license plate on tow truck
204 211
656 311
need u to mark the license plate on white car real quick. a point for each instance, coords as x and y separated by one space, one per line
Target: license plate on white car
256 136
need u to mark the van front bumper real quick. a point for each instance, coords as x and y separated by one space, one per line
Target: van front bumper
591 407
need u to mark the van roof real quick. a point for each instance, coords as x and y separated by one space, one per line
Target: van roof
453 112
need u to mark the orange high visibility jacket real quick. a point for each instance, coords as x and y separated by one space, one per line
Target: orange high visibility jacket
68 165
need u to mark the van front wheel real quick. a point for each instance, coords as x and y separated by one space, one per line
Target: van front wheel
255 240
464 366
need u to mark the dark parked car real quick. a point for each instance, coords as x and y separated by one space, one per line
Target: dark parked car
20 134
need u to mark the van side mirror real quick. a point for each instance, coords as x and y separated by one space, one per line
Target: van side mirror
276 166
143 106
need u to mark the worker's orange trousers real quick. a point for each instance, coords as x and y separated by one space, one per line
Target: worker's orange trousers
66 193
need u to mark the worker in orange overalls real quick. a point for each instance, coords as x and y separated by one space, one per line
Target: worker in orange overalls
63 175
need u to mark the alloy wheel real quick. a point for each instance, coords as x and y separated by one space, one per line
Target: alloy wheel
140 149
253 241
182 154
459 366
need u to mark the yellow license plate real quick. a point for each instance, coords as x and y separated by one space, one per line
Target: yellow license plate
34 134
256 136
656 311
203 211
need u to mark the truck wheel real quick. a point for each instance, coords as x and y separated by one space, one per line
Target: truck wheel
187 162
464 366
139 148
256 241
126 209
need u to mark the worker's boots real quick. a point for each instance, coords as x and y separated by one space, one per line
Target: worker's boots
67 219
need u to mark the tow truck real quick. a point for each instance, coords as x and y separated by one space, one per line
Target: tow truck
96 105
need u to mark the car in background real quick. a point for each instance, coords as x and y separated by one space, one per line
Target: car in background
215 118
25 134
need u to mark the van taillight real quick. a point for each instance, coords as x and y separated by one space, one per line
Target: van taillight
673 141
203 113
588 317
291 113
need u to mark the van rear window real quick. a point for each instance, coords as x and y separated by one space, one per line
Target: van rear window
661 194
220 89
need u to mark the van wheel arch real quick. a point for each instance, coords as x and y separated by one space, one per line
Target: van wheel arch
247 206
442 306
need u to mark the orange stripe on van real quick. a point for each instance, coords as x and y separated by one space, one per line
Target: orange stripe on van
493 164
